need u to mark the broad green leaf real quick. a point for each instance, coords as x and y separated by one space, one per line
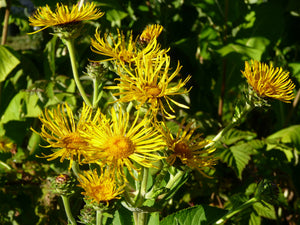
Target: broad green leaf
21 106
14 110
237 157
154 219
265 210
254 219
200 215
7 63
32 107
295 69
289 136
122 217
234 135
115 16
253 47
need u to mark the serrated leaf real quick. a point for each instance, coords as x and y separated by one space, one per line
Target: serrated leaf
254 219
289 135
234 135
7 63
200 215
237 157
265 210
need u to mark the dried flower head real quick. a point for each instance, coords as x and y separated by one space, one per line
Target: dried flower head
189 148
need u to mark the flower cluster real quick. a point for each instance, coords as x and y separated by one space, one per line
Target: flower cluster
122 143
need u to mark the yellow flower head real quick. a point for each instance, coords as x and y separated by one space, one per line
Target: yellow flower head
6 145
118 144
268 81
187 147
45 17
151 32
101 188
61 131
121 50
151 83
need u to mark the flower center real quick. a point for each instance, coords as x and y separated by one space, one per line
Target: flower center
153 91
73 141
126 56
182 150
120 147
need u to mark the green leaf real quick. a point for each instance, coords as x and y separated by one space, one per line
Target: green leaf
7 63
265 210
200 215
14 109
115 16
252 48
122 217
254 219
295 67
237 157
234 135
289 135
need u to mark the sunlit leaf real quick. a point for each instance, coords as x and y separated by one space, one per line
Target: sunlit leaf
7 63
200 215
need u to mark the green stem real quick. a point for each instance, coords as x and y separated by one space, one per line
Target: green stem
242 207
143 188
136 218
142 220
140 217
68 209
75 168
70 45
99 217
159 178
174 180
236 120
5 165
95 96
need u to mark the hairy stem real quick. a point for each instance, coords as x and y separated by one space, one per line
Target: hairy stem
70 45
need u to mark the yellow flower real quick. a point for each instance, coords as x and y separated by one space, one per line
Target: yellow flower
45 17
118 144
268 81
121 50
151 83
61 131
101 188
6 145
187 147
151 32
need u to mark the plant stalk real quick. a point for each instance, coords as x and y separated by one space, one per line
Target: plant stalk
99 217
70 45
242 207
66 203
